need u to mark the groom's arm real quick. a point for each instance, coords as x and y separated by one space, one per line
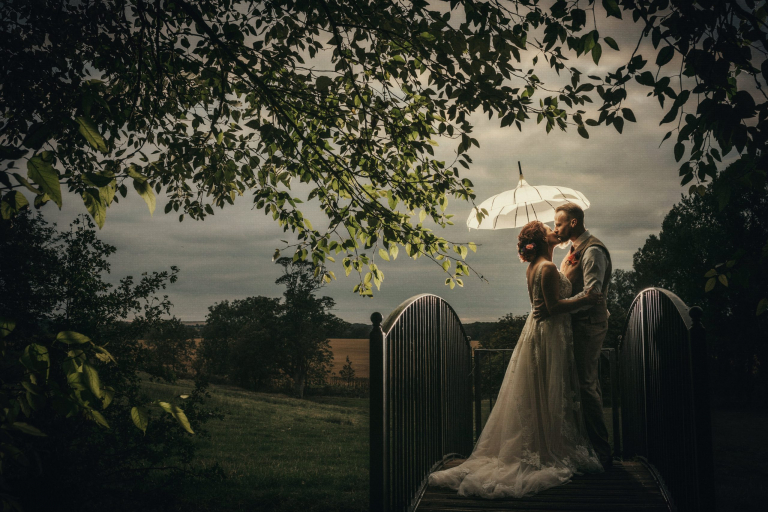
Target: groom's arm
593 265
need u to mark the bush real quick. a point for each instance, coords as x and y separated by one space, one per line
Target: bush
75 419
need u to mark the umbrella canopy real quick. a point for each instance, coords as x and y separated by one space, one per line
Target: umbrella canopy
517 207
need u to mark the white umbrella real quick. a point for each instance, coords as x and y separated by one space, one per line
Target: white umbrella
517 207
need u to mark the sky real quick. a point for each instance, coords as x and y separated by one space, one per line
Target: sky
630 182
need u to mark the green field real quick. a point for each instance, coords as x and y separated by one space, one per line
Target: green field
276 453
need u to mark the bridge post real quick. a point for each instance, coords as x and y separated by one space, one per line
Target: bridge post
478 397
378 418
701 413
613 368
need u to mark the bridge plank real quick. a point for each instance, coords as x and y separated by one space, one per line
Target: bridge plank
627 486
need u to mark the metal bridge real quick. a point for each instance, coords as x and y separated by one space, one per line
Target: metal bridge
426 412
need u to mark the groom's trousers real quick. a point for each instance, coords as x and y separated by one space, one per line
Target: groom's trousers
587 343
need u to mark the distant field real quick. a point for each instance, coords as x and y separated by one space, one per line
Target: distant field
356 349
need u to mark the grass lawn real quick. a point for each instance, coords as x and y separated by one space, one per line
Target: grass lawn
276 453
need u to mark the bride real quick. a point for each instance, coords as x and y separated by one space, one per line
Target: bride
535 437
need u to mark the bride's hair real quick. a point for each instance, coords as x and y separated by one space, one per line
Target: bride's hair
531 241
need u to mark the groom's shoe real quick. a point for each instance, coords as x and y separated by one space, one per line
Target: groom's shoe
607 462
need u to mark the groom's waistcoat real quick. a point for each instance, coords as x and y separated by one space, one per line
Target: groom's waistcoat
575 274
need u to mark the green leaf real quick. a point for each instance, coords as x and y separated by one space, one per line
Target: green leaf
723 279
12 203
628 115
679 151
177 413
611 42
91 134
612 8
589 43
761 306
76 380
22 181
671 115
92 378
37 135
98 418
95 206
665 55
711 273
145 191
582 131
6 326
597 51
618 123
72 338
36 401
35 357
28 429
383 254
710 284
323 83
140 418
40 170
103 355
109 395
24 407
135 174
98 180
472 246
393 250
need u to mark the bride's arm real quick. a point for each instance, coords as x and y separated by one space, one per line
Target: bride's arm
550 285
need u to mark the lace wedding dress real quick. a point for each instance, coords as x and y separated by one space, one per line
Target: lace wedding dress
535 437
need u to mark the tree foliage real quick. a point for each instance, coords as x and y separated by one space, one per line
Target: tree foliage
171 347
347 372
71 400
240 341
340 102
622 292
695 237
306 324
253 341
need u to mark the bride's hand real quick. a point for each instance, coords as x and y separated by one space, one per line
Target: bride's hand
593 296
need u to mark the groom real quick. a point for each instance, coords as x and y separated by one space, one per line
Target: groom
588 264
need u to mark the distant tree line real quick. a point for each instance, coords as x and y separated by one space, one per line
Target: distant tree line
253 341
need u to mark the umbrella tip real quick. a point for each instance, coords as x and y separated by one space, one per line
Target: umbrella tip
520 167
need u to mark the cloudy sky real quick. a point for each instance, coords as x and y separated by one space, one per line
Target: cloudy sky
630 181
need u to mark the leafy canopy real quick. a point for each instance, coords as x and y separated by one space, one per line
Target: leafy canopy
341 103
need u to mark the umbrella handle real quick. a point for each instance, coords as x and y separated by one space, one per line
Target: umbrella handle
520 167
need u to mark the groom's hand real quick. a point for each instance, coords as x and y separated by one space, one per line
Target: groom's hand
540 311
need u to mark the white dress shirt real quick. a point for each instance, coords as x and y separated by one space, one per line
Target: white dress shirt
593 264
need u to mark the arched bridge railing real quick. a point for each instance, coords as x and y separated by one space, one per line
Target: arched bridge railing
665 415
421 398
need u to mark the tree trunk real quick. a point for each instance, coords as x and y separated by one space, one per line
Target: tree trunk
299 379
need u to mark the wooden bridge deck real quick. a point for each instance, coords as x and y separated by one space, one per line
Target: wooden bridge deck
628 486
